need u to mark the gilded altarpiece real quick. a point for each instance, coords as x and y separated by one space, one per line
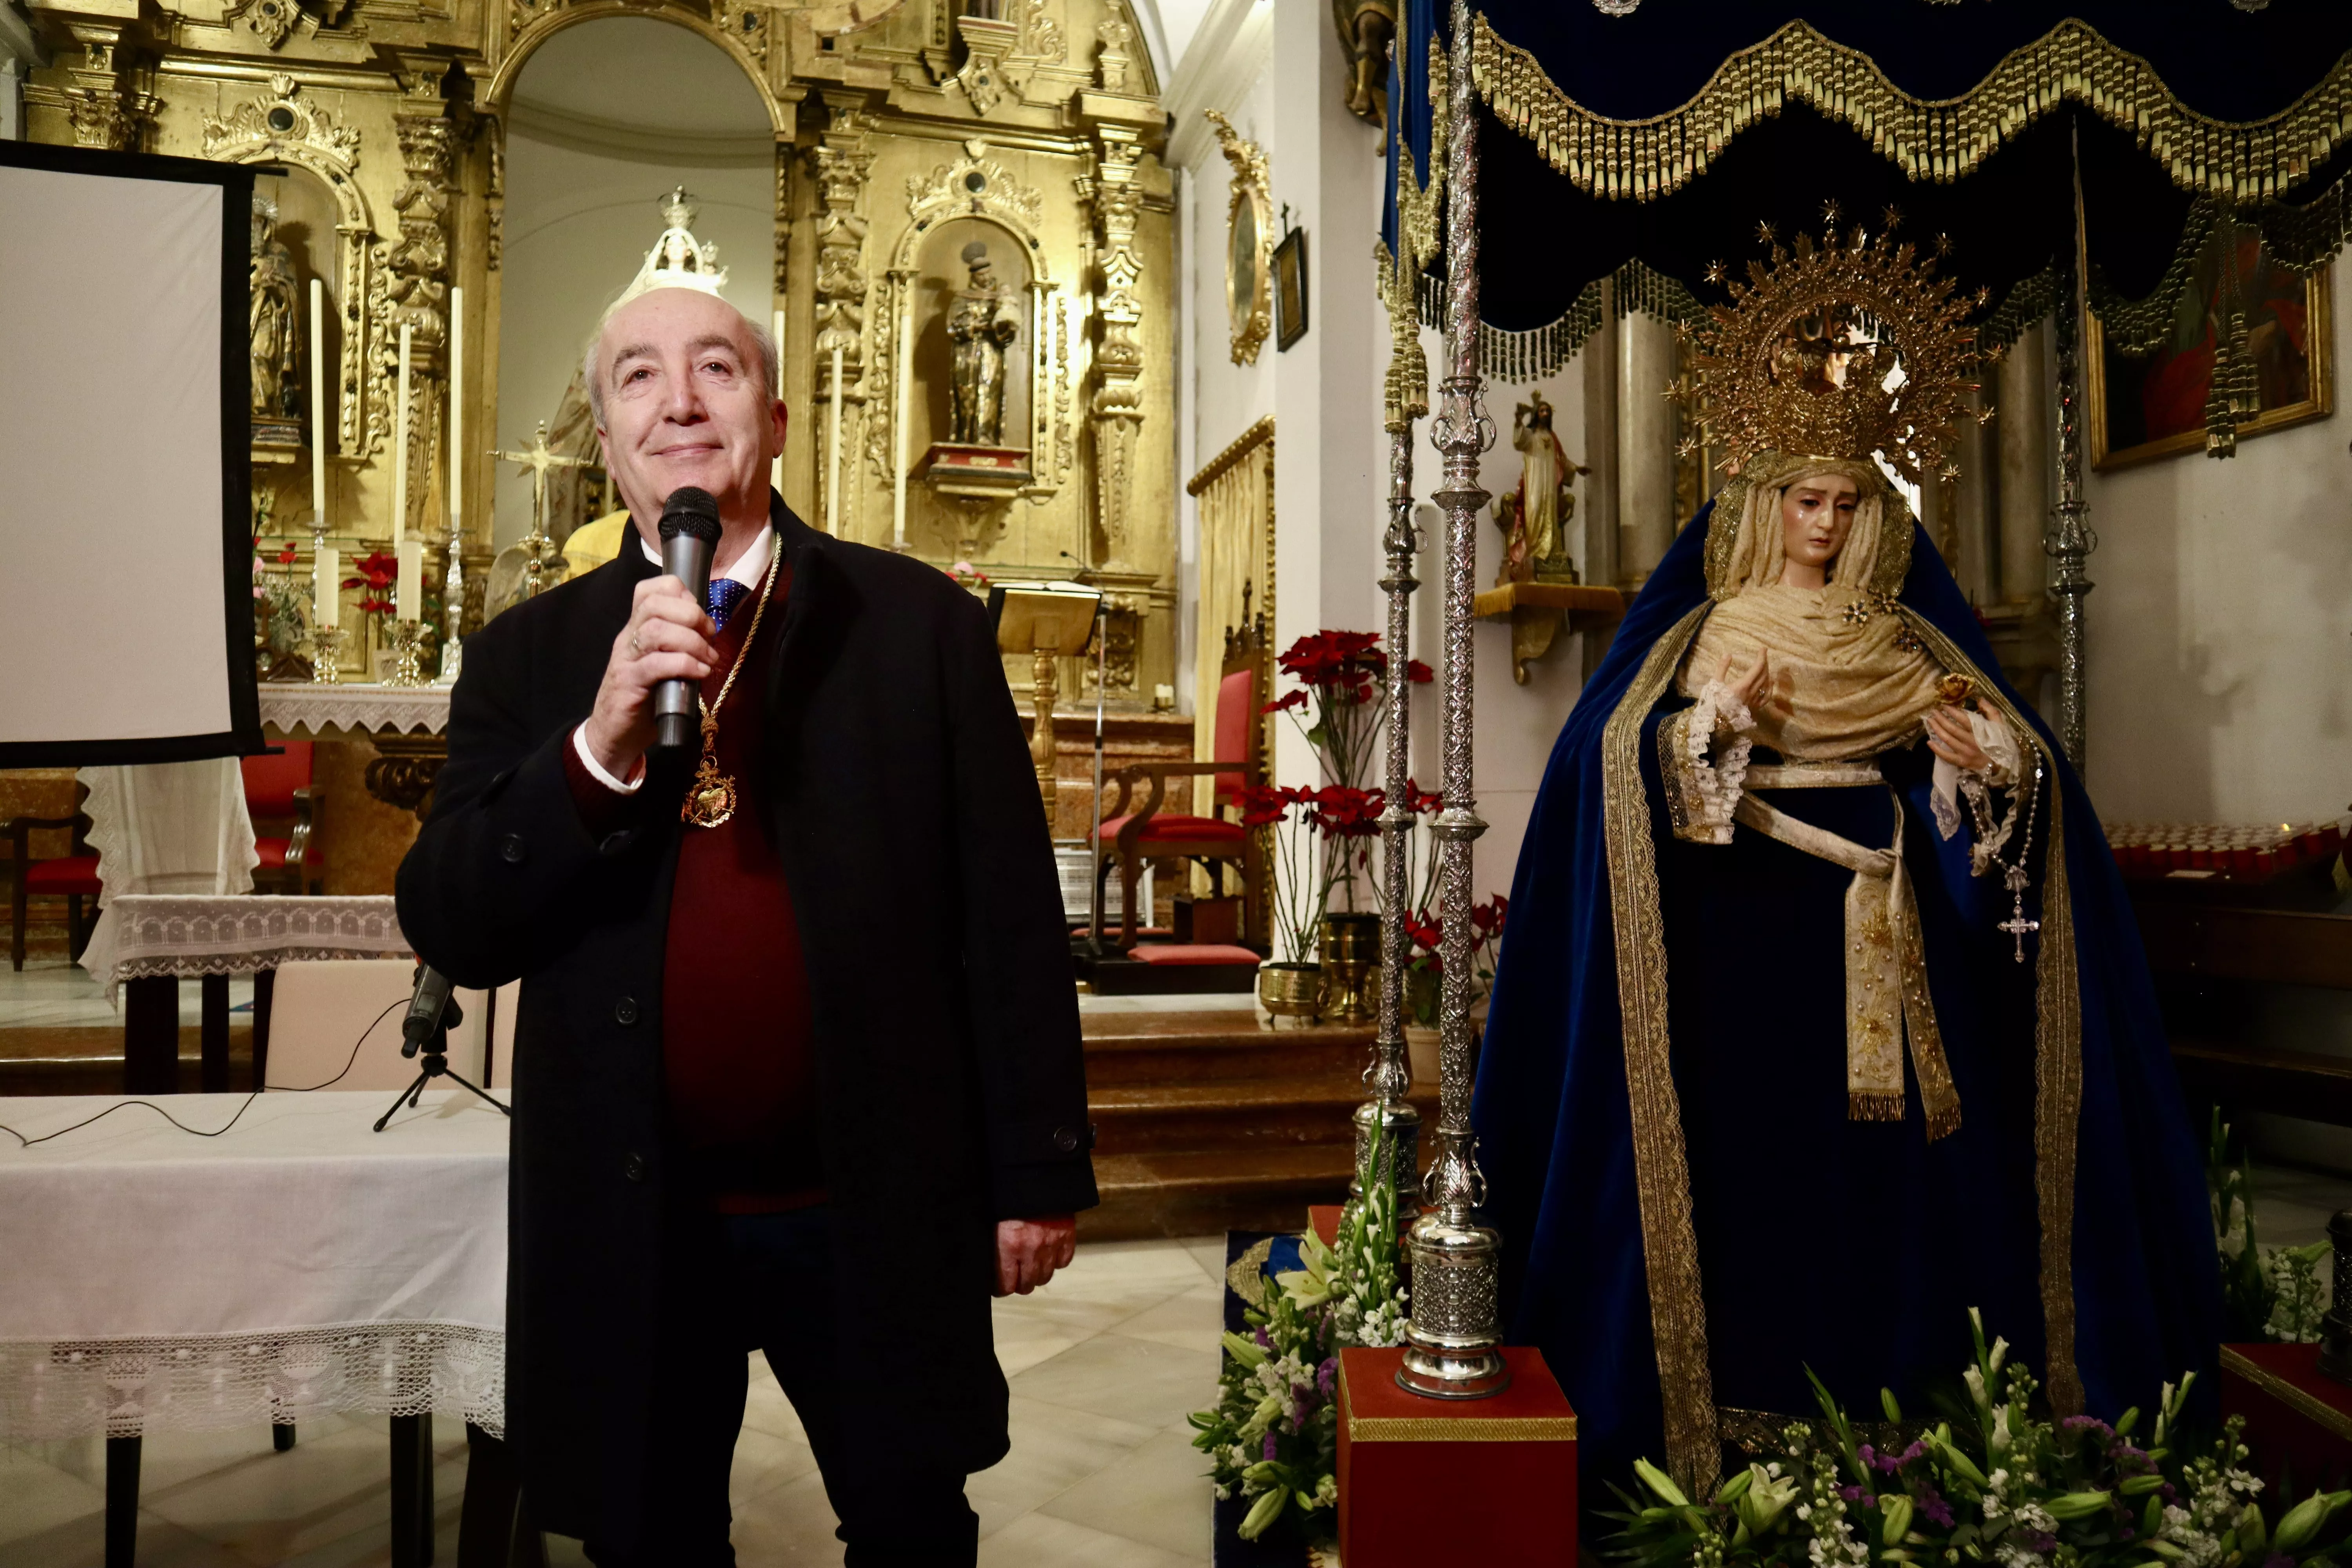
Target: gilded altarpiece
899 125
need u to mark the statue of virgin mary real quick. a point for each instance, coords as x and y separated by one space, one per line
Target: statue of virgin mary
1821 1016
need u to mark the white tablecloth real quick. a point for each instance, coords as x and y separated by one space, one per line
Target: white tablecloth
168 934
300 1263
167 827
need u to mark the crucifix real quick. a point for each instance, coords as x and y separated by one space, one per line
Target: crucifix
2017 925
538 460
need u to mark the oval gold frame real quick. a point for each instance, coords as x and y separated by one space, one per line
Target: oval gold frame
1251 193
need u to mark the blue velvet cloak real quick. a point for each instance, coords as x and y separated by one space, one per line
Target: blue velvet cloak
2070 1206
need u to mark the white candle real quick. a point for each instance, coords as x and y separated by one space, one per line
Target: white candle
776 468
410 603
318 406
400 448
456 412
326 594
833 456
906 375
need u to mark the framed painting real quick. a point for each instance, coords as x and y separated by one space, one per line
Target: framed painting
2154 405
1290 289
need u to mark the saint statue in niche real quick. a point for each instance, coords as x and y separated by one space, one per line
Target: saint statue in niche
1821 1017
277 384
1535 518
980 326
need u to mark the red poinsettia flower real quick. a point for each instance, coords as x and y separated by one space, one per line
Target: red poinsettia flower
1343 813
1264 804
1294 697
285 555
1418 673
1425 933
378 572
1419 801
1486 919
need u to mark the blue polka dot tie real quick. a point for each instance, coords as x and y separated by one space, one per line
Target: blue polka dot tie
725 594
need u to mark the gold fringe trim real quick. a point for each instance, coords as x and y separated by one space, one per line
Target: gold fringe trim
1943 1121
1863 1105
1942 141
1660 1158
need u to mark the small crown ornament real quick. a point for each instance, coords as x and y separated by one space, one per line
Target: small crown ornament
1846 349
678 259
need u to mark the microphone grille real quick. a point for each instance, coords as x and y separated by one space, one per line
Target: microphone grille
690 511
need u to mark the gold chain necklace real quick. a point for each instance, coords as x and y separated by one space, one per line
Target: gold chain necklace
710 799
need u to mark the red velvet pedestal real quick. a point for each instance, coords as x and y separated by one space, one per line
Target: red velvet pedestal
2298 1422
1426 1482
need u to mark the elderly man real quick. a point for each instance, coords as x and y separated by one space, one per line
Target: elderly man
797 1068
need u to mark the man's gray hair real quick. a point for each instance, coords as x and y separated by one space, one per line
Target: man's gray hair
763 340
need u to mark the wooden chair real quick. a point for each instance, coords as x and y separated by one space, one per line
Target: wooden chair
72 877
1131 838
278 795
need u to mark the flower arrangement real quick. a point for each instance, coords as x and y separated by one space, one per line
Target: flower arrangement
2267 1292
2002 1486
1424 974
1337 705
1274 1436
969 575
282 603
379 574
1304 879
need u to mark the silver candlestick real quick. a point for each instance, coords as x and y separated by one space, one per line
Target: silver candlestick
1453 1345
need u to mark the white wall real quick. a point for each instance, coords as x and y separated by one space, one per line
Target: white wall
2220 679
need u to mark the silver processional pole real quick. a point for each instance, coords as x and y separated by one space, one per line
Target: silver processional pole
1452 1343
1388 1120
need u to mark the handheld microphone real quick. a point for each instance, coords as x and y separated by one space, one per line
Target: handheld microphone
690 533
427 1009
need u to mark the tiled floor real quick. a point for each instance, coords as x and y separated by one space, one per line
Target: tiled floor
1104 1364
52 993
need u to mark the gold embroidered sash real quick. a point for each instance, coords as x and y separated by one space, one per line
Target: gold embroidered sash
1886 974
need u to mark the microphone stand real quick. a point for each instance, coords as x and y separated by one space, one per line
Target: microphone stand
436 1065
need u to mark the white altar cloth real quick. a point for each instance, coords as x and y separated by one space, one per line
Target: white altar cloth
297 1264
362 708
166 934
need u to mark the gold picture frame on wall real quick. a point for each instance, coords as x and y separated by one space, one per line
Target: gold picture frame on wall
1249 243
2146 408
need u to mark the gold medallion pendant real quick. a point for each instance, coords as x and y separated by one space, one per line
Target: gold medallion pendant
710 799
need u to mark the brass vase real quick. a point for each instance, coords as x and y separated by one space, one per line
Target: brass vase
1351 949
1293 991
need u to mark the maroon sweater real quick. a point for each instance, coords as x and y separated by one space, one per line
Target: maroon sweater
737 1060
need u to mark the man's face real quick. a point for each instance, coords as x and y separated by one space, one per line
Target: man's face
685 405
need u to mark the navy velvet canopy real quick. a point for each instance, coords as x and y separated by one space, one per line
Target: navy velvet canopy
1665 136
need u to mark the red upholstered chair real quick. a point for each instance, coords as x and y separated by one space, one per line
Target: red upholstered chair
72 877
1147 833
279 796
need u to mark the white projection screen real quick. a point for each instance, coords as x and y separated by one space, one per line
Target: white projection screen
126 589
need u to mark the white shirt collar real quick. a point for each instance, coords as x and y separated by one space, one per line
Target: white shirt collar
748 570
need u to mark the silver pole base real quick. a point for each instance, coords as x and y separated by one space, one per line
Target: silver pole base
1452 1350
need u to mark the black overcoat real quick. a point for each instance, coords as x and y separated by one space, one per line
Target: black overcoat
904 806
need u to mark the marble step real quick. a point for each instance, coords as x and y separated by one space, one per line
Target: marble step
1201 1193
1176 1047
1239 1114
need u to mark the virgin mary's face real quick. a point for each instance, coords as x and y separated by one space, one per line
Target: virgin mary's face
1816 515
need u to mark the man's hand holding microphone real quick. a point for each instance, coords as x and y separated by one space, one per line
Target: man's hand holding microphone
648 697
